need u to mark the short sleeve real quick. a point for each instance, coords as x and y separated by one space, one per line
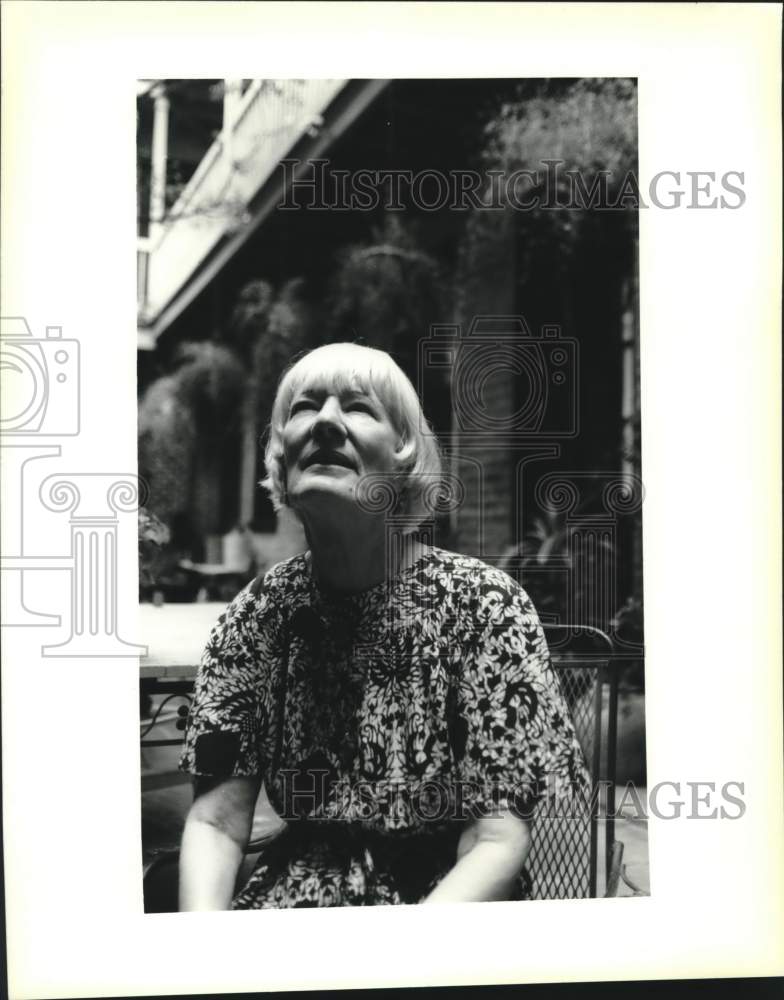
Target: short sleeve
229 722
516 740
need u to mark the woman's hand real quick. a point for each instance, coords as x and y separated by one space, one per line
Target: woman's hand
490 854
217 830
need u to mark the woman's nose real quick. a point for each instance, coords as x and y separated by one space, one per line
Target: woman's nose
329 421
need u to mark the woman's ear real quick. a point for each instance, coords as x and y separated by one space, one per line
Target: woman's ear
404 454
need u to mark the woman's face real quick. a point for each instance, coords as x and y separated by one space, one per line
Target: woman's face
332 438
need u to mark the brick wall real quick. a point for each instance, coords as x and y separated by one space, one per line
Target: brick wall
484 521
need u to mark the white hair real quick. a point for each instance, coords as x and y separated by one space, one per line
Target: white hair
337 368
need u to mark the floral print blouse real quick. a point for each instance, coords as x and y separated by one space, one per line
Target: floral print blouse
380 723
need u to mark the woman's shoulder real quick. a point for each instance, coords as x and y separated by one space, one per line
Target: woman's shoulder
473 571
479 586
268 593
287 576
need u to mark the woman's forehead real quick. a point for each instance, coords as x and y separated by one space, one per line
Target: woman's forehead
342 369
337 382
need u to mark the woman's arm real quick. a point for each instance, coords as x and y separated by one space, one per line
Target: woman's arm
216 834
490 855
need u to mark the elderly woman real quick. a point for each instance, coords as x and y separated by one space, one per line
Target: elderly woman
395 699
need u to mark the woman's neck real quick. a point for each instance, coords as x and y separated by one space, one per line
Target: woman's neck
356 557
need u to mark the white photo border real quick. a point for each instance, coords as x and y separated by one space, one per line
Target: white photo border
710 287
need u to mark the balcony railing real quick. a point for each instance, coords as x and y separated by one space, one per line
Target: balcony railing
269 118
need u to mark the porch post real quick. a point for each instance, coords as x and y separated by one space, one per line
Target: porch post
160 143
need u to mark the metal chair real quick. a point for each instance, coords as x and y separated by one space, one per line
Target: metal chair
564 862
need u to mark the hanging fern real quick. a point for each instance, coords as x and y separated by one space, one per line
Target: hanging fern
590 127
386 292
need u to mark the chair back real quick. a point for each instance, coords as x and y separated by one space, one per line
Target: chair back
565 860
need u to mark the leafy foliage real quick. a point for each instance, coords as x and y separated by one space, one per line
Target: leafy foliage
217 389
590 127
558 574
210 381
385 292
185 420
268 332
153 534
167 436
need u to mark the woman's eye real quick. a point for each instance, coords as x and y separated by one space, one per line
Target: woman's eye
357 404
302 404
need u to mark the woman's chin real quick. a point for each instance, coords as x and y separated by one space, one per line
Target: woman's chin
320 490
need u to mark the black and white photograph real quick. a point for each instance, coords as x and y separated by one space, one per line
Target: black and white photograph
391 495
407 308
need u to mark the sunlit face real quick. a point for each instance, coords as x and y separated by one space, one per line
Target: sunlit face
332 438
